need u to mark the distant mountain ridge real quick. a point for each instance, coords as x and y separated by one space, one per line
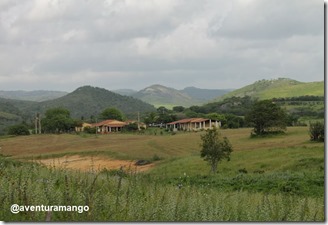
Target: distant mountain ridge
159 95
204 94
38 95
127 92
277 88
89 101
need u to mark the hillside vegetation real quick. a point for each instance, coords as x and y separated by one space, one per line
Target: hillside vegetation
90 101
277 88
83 102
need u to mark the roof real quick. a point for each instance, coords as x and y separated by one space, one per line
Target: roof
189 120
110 123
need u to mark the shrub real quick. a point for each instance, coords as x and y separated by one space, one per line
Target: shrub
317 131
156 158
90 130
19 129
131 127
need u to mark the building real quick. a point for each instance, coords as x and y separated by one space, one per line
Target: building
108 126
81 128
193 124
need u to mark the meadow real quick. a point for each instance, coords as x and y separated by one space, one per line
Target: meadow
278 178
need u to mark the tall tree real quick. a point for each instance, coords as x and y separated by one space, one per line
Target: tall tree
267 117
57 120
215 148
112 113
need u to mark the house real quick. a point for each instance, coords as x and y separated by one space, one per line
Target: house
193 124
108 126
81 128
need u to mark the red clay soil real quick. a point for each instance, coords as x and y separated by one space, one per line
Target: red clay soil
89 163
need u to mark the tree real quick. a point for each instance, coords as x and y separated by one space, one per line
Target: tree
215 148
112 113
151 118
57 120
178 108
19 129
266 117
317 131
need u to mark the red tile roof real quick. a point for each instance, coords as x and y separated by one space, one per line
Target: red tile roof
110 123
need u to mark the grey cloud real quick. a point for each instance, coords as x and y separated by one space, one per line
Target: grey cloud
214 43
265 19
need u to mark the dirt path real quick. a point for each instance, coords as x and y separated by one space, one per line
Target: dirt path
88 163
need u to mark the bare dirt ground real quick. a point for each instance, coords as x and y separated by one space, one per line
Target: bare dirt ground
89 163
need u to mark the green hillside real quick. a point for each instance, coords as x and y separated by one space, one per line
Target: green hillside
84 102
90 101
277 88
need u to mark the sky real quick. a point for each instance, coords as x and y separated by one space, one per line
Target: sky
119 44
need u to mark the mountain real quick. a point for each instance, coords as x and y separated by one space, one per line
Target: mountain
38 96
159 95
84 102
89 101
204 94
127 92
277 88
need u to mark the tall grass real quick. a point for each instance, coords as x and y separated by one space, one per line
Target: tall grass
135 197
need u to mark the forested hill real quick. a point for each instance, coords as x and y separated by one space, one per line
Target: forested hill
89 101
277 88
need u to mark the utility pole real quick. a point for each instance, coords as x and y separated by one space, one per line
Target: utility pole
39 117
138 121
96 126
37 123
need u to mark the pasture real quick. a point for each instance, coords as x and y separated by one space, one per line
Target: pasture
279 178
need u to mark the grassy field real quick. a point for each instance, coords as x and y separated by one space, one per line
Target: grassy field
278 178
133 146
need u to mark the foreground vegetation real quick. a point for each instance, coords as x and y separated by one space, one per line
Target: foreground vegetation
279 178
132 197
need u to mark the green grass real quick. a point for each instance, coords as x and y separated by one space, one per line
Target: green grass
135 197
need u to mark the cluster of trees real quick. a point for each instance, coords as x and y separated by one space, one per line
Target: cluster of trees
161 116
306 98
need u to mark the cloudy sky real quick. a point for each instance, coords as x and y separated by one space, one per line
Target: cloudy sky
64 44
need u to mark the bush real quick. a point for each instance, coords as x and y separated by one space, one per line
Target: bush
19 129
156 158
90 130
317 131
131 127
